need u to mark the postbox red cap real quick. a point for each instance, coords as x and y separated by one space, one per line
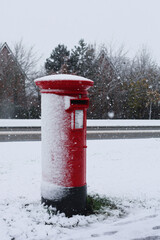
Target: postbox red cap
63 82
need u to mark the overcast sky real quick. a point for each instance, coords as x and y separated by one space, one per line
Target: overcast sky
46 23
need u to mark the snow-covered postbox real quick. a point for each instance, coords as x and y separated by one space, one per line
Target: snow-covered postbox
64 106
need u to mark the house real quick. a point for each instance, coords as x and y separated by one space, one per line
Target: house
105 95
106 70
12 85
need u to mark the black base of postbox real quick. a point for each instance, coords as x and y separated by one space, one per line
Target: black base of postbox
75 202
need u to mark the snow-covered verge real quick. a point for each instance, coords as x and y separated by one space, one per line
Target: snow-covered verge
20 122
122 122
90 123
126 171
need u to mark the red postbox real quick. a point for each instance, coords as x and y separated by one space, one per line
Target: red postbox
64 106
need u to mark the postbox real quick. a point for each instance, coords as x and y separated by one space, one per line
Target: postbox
64 105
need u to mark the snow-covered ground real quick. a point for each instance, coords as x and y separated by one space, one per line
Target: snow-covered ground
126 171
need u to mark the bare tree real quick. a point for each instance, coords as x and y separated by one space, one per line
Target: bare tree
28 59
143 86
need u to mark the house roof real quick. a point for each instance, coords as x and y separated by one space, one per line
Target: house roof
107 59
5 45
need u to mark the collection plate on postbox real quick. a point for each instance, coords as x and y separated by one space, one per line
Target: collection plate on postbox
77 107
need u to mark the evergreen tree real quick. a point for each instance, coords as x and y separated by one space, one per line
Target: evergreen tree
77 57
57 59
82 59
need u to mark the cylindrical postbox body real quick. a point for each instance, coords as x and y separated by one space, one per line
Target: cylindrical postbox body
64 106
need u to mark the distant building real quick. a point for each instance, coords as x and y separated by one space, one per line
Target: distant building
12 85
106 68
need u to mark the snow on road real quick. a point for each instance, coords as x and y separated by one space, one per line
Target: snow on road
127 171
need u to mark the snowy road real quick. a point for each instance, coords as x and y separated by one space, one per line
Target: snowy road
30 129
126 171
25 134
